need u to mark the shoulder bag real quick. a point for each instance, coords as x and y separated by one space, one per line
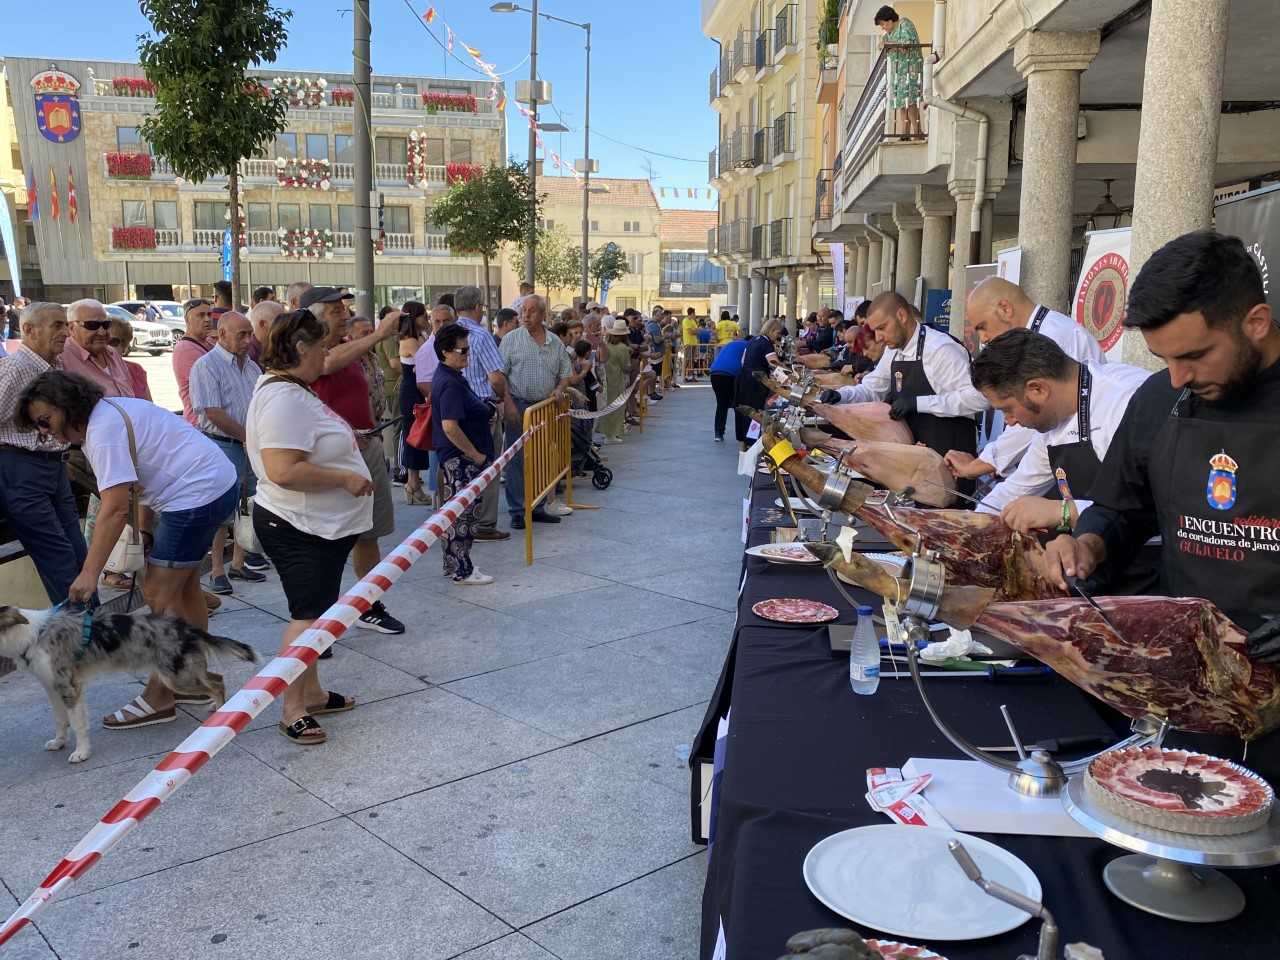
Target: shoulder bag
128 555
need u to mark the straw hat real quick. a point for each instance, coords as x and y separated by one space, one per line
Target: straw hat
618 327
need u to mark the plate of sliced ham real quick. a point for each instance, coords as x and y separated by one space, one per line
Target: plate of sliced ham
903 951
794 610
783 553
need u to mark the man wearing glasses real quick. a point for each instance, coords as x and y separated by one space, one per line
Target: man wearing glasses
484 374
191 346
88 351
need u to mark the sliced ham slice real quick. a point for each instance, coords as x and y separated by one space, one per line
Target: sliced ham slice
902 468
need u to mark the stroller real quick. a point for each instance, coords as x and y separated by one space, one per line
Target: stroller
586 454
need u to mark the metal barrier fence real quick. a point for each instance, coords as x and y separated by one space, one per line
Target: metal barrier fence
547 459
698 359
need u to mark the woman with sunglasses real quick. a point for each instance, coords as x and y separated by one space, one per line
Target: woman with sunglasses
121 341
463 441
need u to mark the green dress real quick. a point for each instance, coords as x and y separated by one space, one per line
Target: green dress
617 371
908 66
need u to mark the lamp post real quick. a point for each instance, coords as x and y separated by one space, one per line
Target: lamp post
586 133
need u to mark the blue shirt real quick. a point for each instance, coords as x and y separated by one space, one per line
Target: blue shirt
654 329
704 335
729 359
453 399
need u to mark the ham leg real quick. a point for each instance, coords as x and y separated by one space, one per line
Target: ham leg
864 421
900 468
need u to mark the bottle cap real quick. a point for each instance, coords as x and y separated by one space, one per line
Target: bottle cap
865 610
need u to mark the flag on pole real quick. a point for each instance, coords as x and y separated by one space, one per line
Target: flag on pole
53 194
430 15
449 37
33 199
73 209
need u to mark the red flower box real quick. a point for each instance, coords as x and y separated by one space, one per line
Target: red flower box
461 172
456 102
130 166
342 97
133 238
132 87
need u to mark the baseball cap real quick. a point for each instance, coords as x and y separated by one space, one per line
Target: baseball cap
324 295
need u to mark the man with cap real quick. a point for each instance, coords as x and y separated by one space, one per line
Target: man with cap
344 388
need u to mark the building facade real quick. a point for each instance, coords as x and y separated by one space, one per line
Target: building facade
140 231
14 196
688 276
764 165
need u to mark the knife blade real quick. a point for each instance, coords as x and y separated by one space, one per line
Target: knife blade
1074 584
1054 744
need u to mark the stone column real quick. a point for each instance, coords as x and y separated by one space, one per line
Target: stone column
1052 63
964 198
1178 139
888 251
757 303
744 298
793 302
875 263
935 206
860 267
810 290
910 227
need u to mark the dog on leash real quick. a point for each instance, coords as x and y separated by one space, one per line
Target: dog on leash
62 652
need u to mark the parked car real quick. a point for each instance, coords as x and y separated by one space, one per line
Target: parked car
168 312
154 338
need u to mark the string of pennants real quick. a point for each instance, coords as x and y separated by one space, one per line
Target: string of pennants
693 193
496 94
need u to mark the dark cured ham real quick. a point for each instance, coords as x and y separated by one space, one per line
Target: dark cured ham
1178 659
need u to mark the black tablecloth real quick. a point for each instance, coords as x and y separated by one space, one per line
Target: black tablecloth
796 756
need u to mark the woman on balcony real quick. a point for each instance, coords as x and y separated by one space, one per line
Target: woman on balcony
906 71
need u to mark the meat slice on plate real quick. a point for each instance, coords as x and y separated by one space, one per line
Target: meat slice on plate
1179 659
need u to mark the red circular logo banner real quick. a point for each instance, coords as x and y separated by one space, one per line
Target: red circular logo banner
1104 291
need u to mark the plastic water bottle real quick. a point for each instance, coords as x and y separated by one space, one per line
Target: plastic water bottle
864 654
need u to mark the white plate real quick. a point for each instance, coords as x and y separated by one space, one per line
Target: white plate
798 503
763 551
904 881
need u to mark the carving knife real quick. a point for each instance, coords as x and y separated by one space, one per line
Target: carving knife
1074 584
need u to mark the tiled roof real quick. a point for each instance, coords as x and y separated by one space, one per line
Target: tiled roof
618 192
686 226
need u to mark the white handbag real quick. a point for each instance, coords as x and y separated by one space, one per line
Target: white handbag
128 555
246 538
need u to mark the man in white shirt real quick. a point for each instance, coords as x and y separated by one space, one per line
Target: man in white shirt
1074 409
923 375
995 306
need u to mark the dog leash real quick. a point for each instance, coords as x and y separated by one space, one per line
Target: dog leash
86 623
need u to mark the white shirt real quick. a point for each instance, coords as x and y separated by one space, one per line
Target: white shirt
284 416
179 468
946 364
1008 444
1113 385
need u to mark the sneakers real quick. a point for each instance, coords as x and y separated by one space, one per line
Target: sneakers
221 586
246 573
378 619
491 536
558 509
256 561
655 396
477 579
719 439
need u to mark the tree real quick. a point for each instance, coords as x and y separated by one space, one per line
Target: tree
555 261
209 112
608 264
481 214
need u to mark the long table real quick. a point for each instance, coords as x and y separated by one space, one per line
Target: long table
794 771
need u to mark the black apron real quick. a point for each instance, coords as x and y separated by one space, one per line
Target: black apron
1204 474
907 378
1076 465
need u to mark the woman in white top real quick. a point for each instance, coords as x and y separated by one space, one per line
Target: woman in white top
186 483
313 500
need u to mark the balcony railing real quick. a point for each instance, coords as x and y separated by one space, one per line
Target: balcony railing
712 236
760 148
399 241
391 172
727 68
343 171
261 239
743 147
871 120
713 93
256 169
784 27
764 50
758 241
437 243
822 195
713 166
780 238
744 52
164 238
207 238
784 135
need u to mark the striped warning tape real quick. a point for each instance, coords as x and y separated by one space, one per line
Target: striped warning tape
604 412
254 697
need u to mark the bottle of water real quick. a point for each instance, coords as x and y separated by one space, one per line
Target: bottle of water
864 654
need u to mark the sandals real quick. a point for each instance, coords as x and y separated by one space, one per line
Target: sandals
416 496
138 713
304 731
336 703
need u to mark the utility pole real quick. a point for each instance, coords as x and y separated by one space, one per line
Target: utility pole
532 240
363 186
586 172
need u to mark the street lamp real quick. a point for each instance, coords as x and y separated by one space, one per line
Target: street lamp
586 165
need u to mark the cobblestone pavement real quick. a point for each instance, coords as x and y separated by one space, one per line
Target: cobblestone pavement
511 787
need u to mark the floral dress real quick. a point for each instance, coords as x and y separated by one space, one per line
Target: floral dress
908 66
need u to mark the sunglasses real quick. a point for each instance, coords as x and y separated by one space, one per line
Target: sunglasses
461 351
96 324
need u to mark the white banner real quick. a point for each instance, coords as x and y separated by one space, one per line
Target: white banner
837 267
1103 291
1009 264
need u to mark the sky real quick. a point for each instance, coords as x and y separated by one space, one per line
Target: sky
649 67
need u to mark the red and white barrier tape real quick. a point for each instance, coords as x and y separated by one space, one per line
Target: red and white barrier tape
254 697
604 412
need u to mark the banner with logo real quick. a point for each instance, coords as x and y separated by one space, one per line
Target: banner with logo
1103 291
1254 217
1009 264
837 267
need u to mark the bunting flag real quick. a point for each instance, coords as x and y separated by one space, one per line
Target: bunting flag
430 15
448 32
53 194
73 209
33 199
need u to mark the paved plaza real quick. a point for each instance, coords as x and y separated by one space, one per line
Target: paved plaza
511 787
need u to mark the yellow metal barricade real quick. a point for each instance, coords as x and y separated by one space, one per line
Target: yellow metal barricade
547 460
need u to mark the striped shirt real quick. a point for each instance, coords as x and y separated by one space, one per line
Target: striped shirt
218 381
483 360
533 371
17 372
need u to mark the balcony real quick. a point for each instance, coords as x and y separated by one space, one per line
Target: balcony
744 55
828 83
392 173
140 238
822 201
712 235
728 79
780 238
759 241
713 167
207 239
786 36
399 242
713 93
760 156
784 134
764 54
130 165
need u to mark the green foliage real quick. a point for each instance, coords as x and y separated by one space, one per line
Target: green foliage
483 213
829 26
557 261
608 263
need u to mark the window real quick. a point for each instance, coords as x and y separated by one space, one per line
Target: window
630 226
433 148
209 215
595 226
289 216
625 303
396 220
321 216
344 150
346 218
548 224
286 145
166 214
317 146
129 140
391 150
258 216
134 213
460 151
635 262
384 88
